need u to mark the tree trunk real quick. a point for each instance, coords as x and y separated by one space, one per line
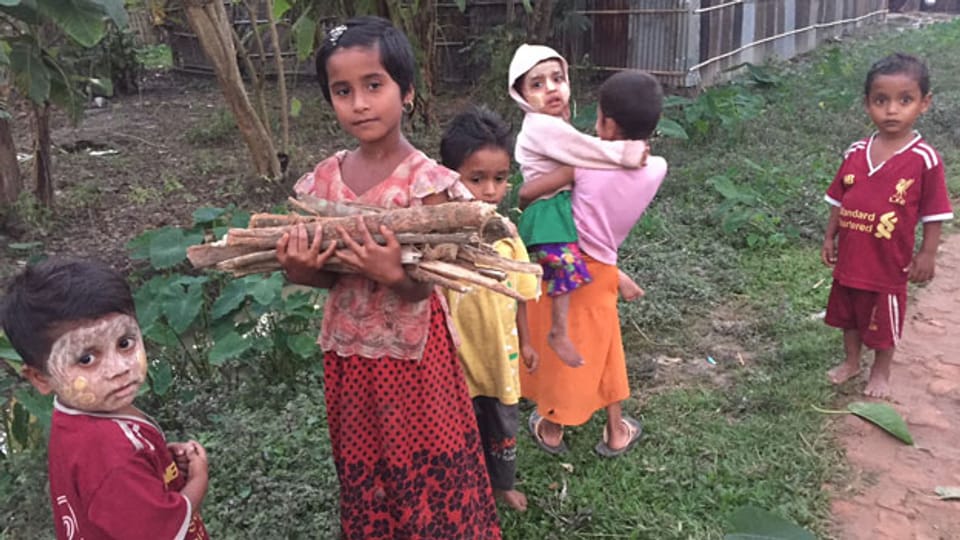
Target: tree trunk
511 11
281 80
209 22
42 175
541 23
10 181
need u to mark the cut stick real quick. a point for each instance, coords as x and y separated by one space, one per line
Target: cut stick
267 237
481 257
452 271
258 221
206 255
440 218
408 255
426 276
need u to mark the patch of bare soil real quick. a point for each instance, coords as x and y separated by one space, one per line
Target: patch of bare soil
149 160
892 490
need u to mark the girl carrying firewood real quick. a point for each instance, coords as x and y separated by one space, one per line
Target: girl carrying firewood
402 428
492 327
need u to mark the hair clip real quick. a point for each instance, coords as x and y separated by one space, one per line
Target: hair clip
334 34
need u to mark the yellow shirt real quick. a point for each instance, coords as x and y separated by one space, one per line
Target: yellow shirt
487 324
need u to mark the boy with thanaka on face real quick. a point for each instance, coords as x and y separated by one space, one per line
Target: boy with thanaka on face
112 472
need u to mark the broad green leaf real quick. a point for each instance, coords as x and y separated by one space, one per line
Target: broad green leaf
229 346
9 3
8 353
31 74
303 345
206 214
265 290
116 10
36 404
20 426
147 302
139 246
304 35
161 377
295 107
948 493
161 334
883 416
672 129
169 246
82 20
181 306
751 523
230 298
240 219
280 8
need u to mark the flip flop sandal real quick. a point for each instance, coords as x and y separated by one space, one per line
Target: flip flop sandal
534 425
634 428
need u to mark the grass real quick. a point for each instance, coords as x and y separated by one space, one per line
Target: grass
742 278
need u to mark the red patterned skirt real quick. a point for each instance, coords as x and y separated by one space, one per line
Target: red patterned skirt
406 447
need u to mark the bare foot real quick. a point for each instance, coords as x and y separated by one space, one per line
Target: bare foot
514 499
879 385
843 373
564 348
629 290
550 433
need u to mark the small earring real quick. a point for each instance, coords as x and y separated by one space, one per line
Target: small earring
408 107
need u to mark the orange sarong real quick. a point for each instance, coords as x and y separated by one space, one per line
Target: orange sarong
570 396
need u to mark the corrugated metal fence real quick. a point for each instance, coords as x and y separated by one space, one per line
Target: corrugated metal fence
692 42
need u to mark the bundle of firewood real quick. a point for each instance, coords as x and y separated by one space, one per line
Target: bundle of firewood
447 244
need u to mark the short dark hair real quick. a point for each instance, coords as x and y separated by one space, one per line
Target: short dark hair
55 292
899 63
634 100
472 130
396 54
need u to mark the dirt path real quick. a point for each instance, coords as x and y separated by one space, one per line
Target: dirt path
891 495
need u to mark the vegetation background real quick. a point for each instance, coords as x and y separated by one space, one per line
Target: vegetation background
726 352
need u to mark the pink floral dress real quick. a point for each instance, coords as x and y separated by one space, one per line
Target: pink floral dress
402 427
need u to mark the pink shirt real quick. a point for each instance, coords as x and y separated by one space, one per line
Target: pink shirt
608 203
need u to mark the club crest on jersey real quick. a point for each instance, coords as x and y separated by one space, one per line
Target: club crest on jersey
899 197
849 179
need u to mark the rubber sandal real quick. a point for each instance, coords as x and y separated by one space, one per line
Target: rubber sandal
534 425
634 428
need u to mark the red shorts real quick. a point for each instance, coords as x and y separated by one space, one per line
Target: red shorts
878 316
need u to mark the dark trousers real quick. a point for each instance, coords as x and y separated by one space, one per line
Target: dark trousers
498 432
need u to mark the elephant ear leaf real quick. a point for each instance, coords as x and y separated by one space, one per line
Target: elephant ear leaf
883 416
751 523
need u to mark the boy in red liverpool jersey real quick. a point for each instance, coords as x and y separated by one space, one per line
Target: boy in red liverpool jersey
886 184
112 473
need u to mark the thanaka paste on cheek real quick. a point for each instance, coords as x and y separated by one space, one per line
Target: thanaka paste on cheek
536 101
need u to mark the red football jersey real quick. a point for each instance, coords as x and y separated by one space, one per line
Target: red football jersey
113 477
880 205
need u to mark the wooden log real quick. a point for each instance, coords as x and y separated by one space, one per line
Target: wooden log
207 255
258 221
440 218
452 271
258 239
482 257
426 276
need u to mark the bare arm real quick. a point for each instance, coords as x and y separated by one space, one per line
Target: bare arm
924 262
530 357
548 183
828 253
